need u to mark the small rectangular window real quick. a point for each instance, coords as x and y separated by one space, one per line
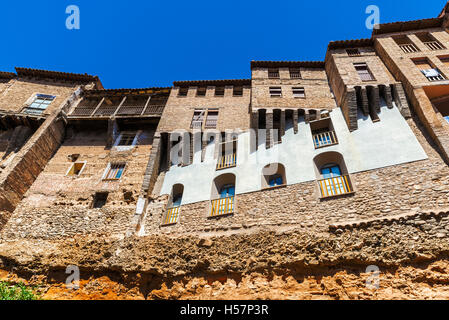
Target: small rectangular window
445 60
295 73
363 71
353 52
126 139
76 169
237 91
432 74
275 92
212 119
39 105
114 171
219 91
201 91
100 200
198 118
299 93
273 73
183 91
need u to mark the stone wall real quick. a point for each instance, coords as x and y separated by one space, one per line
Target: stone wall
21 91
378 193
233 111
314 81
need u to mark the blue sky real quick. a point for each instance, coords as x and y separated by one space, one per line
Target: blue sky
145 43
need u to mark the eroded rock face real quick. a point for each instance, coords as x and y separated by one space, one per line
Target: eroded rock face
413 264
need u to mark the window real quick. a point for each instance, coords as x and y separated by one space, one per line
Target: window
201 91
275 92
100 200
353 52
432 74
228 155
223 195
364 72
76 169
127 139
430 42
405 44
212 119
183 91
275 181
299 92
173 210
237 91
323 133
333 176
40 104
197 120
445 60
295 73
219 91
273 73
114 171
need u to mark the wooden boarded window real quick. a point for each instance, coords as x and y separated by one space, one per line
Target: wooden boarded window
201 91
364 72
353 52
299 92
219 91
237 91
212 119
275 92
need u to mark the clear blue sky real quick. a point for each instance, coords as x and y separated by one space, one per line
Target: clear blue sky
144 43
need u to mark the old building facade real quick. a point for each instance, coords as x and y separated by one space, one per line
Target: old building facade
302 145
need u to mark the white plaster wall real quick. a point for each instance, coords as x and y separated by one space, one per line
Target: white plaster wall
374 145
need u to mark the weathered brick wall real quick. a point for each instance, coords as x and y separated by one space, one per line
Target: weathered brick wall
233 111
314 81
19 92
61 204
383 192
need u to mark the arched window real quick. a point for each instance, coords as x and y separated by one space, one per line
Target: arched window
223 195
332 175
174 205
273 175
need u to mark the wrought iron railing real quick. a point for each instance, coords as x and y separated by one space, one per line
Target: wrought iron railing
227 161
336 186
324 139
223 206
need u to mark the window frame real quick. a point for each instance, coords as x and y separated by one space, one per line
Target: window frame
84 163
275 95
35 97
119 147
108 169
297 89
368 71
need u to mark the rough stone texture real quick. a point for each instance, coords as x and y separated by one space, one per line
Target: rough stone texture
314 81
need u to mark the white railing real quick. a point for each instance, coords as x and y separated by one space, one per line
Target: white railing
223 206
335 186
324 139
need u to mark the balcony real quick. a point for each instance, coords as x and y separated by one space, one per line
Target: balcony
335 186
227 161
433 75
408 48
434 45
324 139
172 216
222 207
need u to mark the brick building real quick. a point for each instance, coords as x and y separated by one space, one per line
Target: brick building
302 145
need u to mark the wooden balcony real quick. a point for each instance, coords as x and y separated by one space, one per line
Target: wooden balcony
222 207
227 161
434 45
335 186
324 139
171 216
408 48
